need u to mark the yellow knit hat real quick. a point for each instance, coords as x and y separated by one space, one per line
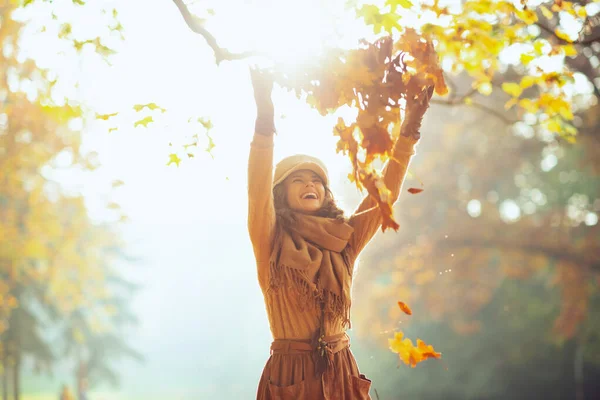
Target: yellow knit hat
297 162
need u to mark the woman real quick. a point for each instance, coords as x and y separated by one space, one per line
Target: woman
305 252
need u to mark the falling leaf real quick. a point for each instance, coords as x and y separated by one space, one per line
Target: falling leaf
408 353
117 183
151 106
143 122
174 159
206 123
105 117
414 190
404 307
211 144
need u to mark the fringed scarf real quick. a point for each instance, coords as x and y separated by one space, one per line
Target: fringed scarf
309 258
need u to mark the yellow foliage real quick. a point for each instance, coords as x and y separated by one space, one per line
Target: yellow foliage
563 35
513 89
47 237
526 58
528 81
569 50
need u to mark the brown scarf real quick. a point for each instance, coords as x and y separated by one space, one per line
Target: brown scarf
310 259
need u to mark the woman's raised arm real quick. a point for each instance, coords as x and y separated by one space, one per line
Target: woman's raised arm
366 223
261 211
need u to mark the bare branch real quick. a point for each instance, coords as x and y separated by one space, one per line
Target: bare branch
532 248
196 26
460 102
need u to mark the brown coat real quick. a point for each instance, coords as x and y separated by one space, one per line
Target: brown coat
290 371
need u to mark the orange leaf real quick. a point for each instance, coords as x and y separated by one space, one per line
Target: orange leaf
414 190
408 353
404 307
376 188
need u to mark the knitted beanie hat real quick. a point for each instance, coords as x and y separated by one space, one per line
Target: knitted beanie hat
297 162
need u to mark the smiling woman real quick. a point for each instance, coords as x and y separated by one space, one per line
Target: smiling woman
305 191
305 253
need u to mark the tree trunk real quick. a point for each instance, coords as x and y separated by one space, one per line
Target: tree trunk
17 378
578 370
4 378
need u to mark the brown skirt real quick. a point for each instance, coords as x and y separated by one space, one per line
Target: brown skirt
290 372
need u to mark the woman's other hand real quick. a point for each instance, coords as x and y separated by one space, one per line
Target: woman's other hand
416 106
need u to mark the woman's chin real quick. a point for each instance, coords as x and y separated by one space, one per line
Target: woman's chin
308 208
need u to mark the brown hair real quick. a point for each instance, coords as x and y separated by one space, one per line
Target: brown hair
285 216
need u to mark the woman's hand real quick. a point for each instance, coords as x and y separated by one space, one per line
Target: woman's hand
416 106
262 82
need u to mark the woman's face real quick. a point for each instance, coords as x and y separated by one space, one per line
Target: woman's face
304 191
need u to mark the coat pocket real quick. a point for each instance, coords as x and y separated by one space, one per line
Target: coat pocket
291 392
360 387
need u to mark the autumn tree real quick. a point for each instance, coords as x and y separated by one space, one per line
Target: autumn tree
53 258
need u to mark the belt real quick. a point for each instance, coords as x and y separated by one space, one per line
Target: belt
321 349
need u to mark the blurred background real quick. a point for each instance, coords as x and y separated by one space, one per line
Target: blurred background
126 271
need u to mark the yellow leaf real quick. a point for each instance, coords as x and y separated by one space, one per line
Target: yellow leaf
468 101
547 13
117 183
563 35
510 103
174 159
527 16
527 81
105 116
206 123
144 122
512 88
570 139
528 105
581 12
395 3
526 58
538 46
566 113
151 106
553 126
570 129
569 50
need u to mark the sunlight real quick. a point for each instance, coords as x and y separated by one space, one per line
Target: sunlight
286 32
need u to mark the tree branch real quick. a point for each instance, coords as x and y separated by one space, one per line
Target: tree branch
561 253
551 31
460 102
196 26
